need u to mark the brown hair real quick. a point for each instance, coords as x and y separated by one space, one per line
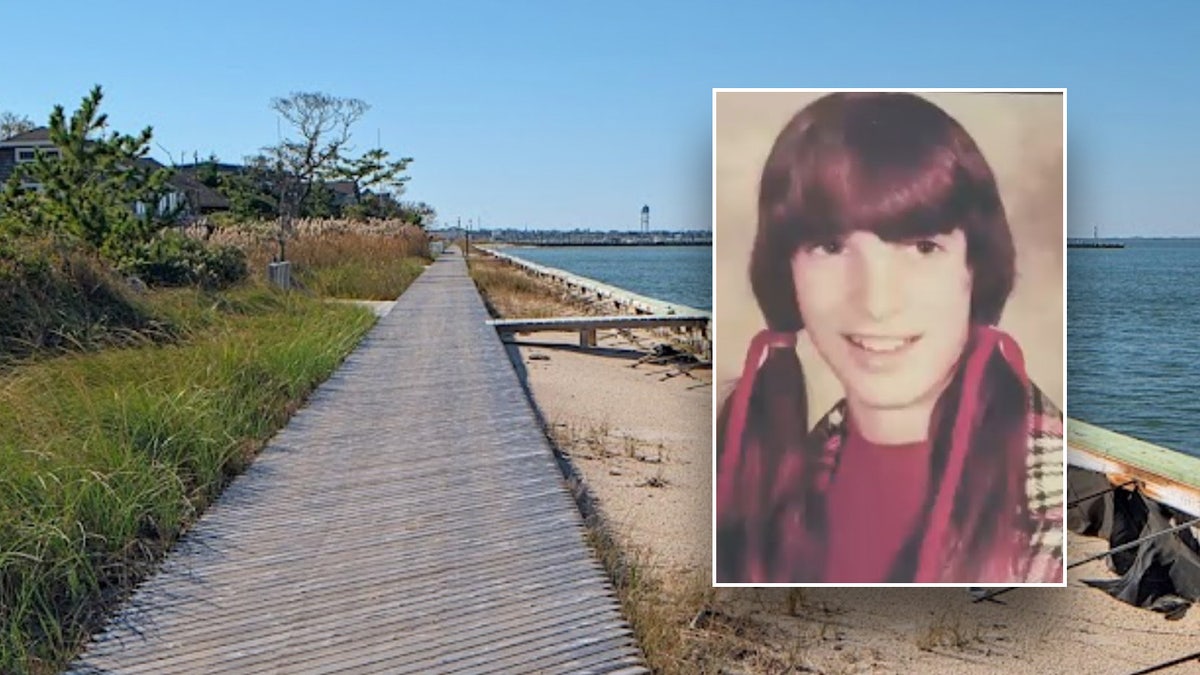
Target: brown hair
901 167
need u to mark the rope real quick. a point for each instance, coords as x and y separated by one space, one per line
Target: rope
1135 542
1103 554
1167 664
1114 488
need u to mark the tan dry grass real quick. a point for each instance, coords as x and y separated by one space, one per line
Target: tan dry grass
370 260
682 623
512 293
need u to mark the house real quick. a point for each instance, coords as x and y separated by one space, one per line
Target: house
345 192
200 198
195 198
187 193
22 148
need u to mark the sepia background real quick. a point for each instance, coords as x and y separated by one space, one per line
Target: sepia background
1022 137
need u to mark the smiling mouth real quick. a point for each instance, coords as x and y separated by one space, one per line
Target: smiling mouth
875 344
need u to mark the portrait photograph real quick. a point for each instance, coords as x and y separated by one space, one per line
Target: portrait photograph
889 337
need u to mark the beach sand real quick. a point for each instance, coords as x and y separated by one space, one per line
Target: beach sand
640 436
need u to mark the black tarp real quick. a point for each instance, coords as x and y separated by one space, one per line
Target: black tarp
1162 574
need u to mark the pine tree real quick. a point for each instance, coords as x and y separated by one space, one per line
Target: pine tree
89 191
371 172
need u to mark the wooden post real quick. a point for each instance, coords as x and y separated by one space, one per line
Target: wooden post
280 274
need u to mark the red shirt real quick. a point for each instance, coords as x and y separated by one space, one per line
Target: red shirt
874 502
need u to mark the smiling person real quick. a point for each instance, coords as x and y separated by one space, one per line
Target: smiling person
883 238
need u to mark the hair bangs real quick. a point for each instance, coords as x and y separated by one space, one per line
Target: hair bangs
900 191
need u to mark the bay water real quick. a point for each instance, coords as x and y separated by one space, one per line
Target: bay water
678 274
1133 340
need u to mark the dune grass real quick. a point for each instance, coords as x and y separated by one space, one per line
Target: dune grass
55 299
108 456
340 259
358 266
512 293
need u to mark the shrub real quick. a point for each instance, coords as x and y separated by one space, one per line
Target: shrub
58 299
173 259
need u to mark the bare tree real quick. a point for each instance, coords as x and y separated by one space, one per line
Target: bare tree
12 124
320 130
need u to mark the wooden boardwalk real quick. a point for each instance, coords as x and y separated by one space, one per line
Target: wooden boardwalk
410 519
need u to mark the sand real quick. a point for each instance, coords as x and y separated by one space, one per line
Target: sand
640 435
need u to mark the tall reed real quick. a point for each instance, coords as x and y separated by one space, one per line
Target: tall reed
372 260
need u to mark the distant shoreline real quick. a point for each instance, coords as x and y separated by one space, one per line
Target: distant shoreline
1094 244
557 244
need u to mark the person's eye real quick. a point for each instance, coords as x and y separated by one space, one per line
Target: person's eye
926 246
831 247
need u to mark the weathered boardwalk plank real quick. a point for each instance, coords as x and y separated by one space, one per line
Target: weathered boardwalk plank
1167 476
410 519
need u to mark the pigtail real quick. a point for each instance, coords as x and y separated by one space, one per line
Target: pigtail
989 503
730 537
779 404
769 449
989 512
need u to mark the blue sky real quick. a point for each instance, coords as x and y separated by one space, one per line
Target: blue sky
572 114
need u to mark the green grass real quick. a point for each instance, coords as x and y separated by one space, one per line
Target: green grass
54 300
107 456
362 279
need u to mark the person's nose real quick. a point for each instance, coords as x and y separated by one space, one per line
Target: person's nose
880 282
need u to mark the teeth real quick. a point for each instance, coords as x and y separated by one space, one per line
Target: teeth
878 344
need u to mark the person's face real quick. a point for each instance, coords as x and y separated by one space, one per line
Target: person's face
890 318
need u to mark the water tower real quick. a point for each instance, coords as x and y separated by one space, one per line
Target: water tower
645 219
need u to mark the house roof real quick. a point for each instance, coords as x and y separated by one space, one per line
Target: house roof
218 166
341 187
200 195
38 136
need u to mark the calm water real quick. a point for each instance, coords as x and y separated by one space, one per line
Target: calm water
1133 340
680 274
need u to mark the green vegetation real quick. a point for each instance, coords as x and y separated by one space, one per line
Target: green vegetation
54 301
363 279
88 192
109 455
295 176
142 366
93 218
173 259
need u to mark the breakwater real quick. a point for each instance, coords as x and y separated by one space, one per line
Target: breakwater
612 297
